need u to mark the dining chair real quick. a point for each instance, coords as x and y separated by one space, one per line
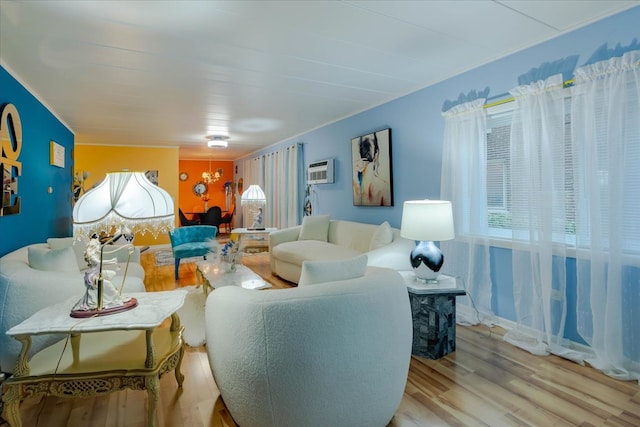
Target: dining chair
197 210
227 218
213 216
184 221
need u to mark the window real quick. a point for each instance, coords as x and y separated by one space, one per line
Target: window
499 201
498 171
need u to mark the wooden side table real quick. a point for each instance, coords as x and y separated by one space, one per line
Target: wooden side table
106 354
433 309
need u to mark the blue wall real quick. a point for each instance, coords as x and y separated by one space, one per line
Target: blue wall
417 134
42 215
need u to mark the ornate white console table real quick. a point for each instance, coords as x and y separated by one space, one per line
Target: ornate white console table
107 353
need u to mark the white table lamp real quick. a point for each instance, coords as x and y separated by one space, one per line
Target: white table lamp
426 221
255 199
123 203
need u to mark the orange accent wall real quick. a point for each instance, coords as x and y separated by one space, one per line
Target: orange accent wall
194 168
100 159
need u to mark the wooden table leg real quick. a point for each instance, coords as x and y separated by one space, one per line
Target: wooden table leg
152 384
22 365
11 410
75 347
178 372
175 326
151 351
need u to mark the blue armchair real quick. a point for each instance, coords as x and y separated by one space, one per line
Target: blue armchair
191 241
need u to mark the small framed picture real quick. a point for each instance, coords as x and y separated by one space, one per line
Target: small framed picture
56 154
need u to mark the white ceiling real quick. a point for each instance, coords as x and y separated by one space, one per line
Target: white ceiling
164 73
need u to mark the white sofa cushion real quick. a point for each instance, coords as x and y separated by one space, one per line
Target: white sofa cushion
315 228
382 236
297 252
52 259
353 235
69 242
332 271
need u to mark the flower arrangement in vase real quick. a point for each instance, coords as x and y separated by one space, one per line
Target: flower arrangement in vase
205 199
230 255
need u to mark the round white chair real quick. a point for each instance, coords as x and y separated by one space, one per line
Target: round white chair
325 354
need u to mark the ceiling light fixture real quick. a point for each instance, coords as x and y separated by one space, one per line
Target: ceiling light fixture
217 141
209 177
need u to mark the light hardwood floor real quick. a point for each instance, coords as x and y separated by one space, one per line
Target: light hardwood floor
485 382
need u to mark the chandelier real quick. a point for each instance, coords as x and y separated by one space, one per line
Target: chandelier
208 176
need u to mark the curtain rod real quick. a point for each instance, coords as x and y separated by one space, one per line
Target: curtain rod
565 84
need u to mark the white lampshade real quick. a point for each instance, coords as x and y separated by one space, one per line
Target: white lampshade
253 194
253 198
124 201
427 220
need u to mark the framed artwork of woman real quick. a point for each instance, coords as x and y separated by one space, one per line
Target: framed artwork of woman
372 173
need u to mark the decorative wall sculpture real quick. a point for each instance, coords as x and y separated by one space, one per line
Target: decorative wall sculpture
11 168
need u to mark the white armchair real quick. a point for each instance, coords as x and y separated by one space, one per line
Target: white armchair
325 354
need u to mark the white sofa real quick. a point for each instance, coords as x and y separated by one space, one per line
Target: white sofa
24 289
322 239
322 354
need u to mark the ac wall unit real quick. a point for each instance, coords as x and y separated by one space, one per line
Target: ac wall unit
320 172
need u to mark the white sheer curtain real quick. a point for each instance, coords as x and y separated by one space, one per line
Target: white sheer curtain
253 170
280 174
539 175
606 149
464 184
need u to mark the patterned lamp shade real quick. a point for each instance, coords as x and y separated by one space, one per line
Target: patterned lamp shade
124 201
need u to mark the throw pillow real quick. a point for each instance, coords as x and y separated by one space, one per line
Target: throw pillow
315 228
70 242
52 259
331 271
382 237
60 242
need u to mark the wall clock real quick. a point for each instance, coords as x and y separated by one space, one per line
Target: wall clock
184 176
200 188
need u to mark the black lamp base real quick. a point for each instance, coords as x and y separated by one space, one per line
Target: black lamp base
426 260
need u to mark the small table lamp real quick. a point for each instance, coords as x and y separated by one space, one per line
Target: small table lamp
254 198
426 221
128 203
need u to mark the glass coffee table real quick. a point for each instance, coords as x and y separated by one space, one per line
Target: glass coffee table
211 276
